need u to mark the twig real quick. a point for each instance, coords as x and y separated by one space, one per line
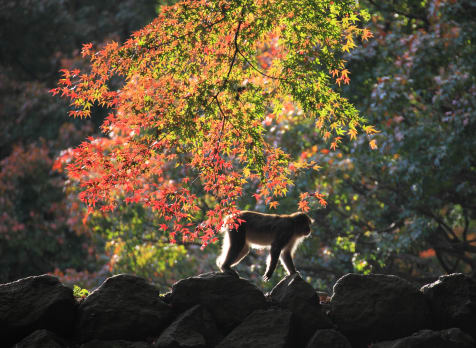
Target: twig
258 70
408 15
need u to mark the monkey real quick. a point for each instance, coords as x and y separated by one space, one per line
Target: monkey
280 233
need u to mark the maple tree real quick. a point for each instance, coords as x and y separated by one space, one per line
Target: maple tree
406 209
192 96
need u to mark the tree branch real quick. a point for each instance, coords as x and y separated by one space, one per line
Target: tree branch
233 59
258 70
225 81
408 15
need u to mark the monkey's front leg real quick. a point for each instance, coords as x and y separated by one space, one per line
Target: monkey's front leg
287 261
272 261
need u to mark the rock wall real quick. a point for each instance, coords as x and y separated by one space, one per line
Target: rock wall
222 310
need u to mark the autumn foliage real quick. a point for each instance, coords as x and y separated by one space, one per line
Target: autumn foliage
191 97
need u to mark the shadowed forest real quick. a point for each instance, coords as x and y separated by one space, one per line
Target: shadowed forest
361 115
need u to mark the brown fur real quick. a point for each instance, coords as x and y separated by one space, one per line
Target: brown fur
281 233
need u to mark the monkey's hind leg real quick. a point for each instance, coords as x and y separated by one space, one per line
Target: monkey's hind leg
234 249
272 261
241 255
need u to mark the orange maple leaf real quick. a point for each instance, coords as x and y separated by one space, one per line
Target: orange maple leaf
366 34
373 144
303 206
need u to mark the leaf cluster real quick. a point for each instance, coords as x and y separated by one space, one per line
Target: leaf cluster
200 84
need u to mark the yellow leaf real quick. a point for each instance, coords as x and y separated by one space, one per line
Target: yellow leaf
352 133
319 123
370 129
373 144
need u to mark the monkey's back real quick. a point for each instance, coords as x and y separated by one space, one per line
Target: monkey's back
261 228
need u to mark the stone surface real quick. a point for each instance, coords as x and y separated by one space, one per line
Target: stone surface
451 338
328 338
372 308
193 328
42 339
228 298
34 303
299 297
114 344
124 307
452 301
378 311
262 329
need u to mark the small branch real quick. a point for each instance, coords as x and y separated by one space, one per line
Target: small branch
233 59
441 261
444 226
225 81
235 42
408 15
258 70
223 119
179 37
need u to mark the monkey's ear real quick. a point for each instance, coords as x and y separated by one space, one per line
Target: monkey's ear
311 220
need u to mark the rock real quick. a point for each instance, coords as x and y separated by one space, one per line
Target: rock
299 297
34 303
452 301
42 339
376 307
192 329
451 338
328 338
228 298
124 307
114 344
263 328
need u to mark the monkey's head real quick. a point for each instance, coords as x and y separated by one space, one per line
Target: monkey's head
303 223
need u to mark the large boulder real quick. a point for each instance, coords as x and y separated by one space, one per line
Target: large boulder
124 307
114 344
452 301
42 339
376 307
194 328
451 338
263 328
328 338
299 297
34 303
228 298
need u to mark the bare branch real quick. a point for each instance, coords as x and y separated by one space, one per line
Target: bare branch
258 70
408 15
